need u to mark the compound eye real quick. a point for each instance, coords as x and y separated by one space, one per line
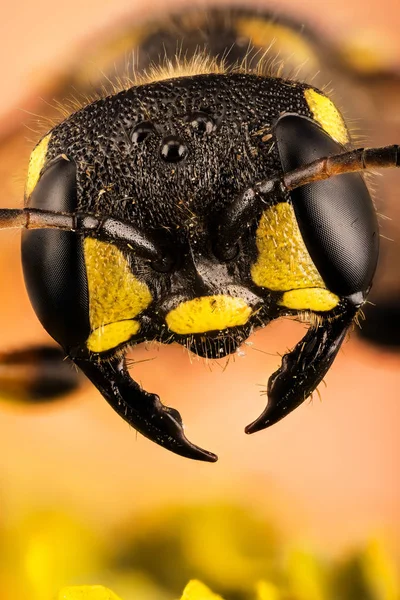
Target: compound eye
336 216
53 261
202 123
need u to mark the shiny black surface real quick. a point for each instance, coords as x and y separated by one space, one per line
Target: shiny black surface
336 217
53 261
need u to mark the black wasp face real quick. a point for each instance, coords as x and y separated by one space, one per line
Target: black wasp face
166 243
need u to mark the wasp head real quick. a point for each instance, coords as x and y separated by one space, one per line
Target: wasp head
172 236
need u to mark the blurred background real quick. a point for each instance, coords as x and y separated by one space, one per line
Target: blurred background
84 499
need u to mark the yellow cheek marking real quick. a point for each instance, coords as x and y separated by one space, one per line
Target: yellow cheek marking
309 299
112 335
208 313
283 261
115 294
36 164
327 115
286 43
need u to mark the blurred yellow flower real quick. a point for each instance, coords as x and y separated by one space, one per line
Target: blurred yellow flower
267 591
238 555
380 572
45 551
195 590
307 578
87 592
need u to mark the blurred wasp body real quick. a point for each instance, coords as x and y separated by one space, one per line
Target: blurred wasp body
210 197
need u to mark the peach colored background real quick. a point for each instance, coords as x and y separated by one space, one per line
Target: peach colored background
36 36
329 473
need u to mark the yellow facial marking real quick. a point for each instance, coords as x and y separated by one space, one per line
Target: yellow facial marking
327 115
283 261
208 313
112 335
317 299
36 164
115 295
287 44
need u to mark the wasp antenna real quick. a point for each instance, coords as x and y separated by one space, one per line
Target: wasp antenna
107 229
353 161
34 219
237 218
12 217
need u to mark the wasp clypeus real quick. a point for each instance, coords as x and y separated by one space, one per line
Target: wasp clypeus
207 198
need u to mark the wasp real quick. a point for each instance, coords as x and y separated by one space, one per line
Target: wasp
211 195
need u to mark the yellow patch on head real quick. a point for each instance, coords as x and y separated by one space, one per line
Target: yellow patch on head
283 261
317 299
208 313
115 295
112 335
36 164
327 115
